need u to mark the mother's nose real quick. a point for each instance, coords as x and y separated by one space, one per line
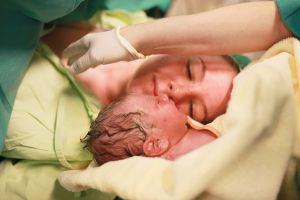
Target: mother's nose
179 92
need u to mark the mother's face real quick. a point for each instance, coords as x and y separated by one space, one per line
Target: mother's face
200 86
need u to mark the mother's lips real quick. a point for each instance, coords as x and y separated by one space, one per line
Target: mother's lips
154 85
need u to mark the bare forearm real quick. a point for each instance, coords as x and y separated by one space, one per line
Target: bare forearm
235 29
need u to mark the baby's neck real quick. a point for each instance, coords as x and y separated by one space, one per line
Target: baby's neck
192 140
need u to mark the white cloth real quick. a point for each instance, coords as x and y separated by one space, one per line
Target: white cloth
249 161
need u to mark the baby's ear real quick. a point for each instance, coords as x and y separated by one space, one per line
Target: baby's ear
155 145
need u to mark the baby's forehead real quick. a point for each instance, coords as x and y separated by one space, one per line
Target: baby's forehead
125 112
128 103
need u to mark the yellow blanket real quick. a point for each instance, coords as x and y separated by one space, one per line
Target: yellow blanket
256 158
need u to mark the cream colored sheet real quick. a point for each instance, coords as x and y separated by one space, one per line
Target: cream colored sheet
51 114
260 142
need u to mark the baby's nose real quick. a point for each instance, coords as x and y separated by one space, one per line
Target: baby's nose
163 98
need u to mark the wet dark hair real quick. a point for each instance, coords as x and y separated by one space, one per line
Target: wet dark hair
116 136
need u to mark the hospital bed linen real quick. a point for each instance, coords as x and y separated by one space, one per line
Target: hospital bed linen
50 116
38 181
256 158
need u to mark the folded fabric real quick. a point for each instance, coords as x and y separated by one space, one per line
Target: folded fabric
38 181
253 159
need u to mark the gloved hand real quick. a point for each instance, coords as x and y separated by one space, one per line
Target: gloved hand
99 48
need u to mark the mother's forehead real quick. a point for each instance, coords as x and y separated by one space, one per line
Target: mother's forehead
173 58
165 61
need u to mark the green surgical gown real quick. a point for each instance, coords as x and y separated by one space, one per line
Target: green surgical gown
290 14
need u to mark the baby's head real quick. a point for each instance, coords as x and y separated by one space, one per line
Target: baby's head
135 125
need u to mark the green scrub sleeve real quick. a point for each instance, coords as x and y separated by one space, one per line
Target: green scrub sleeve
135 5
290 14
240 60
87 8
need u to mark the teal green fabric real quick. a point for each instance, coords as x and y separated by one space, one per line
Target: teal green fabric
137 4
240 60
21 25
290 14
86 9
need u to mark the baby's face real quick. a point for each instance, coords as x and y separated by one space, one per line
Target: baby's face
200 86
159 111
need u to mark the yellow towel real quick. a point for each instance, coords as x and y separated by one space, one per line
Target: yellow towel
255 154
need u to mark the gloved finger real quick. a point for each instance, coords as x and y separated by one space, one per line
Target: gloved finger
75 48
74 58
82 64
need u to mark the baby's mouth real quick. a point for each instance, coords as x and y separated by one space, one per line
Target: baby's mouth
154 84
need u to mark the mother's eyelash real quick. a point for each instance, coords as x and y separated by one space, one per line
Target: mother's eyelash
188 69
191 109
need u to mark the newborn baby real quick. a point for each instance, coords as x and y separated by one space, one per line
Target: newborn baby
144 125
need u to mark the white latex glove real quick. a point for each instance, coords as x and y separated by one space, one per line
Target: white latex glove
99 48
